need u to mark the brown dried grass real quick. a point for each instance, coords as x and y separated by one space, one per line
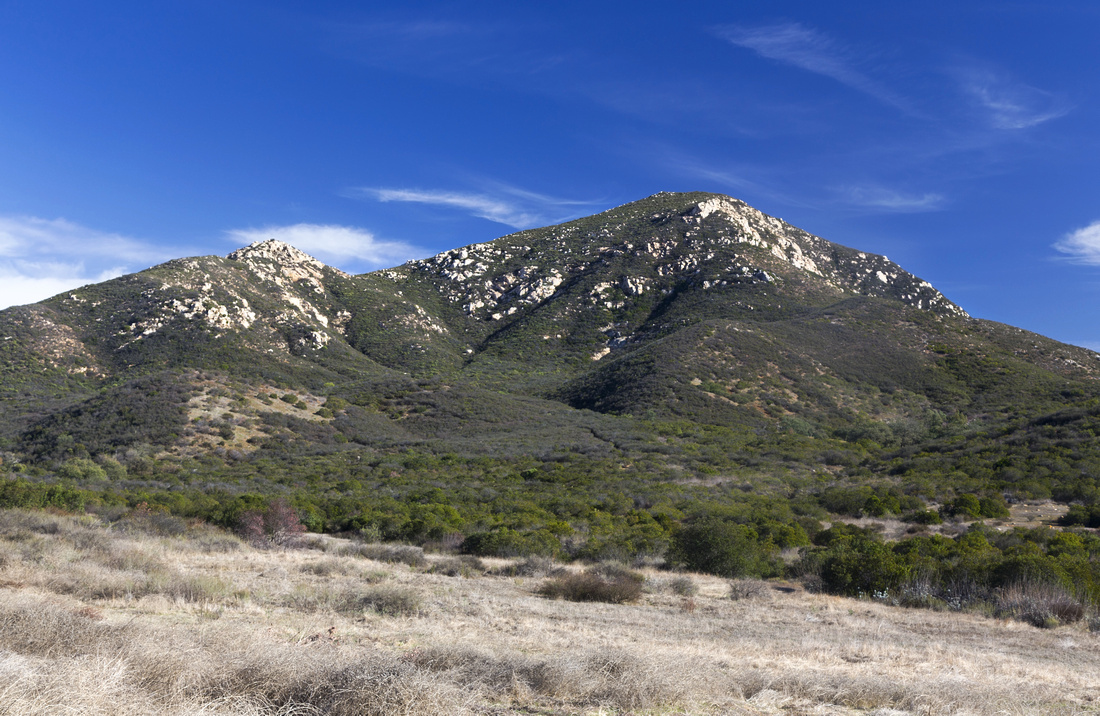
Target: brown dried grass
289 632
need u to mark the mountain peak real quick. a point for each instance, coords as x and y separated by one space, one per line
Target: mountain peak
671 245
293 263
275 250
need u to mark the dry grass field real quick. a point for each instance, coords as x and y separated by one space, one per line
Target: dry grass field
133 619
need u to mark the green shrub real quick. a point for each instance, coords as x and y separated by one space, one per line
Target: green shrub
20 492
923 517
81 468
965 507
993 507
1081 515
507 542
724 548
854 567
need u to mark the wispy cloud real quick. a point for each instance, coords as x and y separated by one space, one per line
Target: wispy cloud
810 50
511 206
1083 245
888 200
28 235
480 205
40 258
1009 104
333 244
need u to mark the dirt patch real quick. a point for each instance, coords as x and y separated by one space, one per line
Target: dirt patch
1034 514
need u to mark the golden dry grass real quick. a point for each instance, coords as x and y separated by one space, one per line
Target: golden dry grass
122 622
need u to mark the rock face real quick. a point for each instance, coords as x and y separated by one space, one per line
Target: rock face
283 264
706 241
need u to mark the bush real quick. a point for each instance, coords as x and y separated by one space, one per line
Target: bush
278 524
614 571
852 567
512 543
993 507
1040 604
1081 515
591 587
723 548
965 507
81 468
923 517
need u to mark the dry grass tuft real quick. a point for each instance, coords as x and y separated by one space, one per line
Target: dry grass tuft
1040 604
607 678
392 553
34 628
531 567
590 586
391 601
96 662
683 586
464 566
749 589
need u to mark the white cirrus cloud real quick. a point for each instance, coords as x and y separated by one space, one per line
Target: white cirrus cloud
40 258
1009 104
810 50
889 200
1083 245
334 244
480 205
511 206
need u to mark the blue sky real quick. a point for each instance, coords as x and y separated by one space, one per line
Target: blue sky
961 139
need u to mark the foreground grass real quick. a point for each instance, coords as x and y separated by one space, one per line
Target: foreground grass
129 621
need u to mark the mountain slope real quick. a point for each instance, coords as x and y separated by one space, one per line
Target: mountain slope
587 338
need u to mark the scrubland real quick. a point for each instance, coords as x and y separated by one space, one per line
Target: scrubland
153 616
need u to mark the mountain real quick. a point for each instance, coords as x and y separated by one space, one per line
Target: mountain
684 337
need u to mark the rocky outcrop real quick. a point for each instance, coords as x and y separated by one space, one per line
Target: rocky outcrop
707 241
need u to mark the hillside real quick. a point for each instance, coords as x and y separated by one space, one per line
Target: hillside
586 389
